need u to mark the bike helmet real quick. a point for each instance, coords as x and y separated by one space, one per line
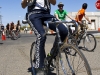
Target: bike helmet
84 6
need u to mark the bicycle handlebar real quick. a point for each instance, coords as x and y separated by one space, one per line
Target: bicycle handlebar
24 21
57 22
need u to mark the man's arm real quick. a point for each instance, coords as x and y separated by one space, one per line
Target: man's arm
69 17
53 2
87 18
56 15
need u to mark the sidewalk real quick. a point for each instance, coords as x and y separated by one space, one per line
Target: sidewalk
96 33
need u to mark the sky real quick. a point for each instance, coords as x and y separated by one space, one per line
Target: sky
11 10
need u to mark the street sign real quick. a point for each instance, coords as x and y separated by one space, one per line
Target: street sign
97 4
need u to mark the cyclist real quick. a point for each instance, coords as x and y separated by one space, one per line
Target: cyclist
18 26
7 29
79 17
7 26
36 16
11 27
61 14
1 28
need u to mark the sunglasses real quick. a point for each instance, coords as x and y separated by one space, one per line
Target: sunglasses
60 6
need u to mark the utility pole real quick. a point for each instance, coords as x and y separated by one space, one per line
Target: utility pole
0 18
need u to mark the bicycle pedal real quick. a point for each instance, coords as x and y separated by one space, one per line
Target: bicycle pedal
53 65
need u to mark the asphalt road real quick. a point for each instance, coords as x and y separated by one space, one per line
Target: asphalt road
14 55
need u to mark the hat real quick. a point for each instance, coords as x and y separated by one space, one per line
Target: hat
60 4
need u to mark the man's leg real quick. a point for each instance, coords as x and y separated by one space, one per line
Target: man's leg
78 32
37 26
63 34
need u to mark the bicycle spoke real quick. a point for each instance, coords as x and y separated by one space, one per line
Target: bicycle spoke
74 65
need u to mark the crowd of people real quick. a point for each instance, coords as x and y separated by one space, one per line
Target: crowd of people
11 26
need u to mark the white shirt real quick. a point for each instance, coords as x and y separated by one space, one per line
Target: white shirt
39 4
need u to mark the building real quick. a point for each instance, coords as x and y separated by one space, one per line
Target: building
93 16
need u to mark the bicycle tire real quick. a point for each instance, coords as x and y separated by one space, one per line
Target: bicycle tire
85 43
85 62
32 58
13 37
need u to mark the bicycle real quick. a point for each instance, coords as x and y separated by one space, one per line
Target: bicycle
14 35
59 51
89 41
18 33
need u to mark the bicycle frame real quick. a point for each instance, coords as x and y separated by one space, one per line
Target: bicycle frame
59 43
82 35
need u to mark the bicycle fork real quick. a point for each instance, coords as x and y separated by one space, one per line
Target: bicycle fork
62 64
73 73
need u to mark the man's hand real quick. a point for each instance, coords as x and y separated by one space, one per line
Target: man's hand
52 1
80 22
24 3
89 22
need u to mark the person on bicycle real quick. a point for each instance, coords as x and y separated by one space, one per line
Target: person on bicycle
7 26
7 29
2 27
37 14
79 17
18 26
61 14
11 27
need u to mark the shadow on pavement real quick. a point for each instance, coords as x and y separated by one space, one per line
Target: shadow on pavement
1 43
50 73
82 48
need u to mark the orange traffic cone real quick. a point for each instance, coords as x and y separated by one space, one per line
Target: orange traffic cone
3 36
99 29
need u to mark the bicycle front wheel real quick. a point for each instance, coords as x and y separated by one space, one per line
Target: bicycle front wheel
66 64
89 42
32 51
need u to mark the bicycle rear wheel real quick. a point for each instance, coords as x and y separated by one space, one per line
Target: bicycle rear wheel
89 42
66 64
32 51
13 36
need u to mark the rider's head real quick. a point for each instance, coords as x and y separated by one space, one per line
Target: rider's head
12 23
60 5
84 6
18 22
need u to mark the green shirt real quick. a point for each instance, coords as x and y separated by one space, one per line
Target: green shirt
61 14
